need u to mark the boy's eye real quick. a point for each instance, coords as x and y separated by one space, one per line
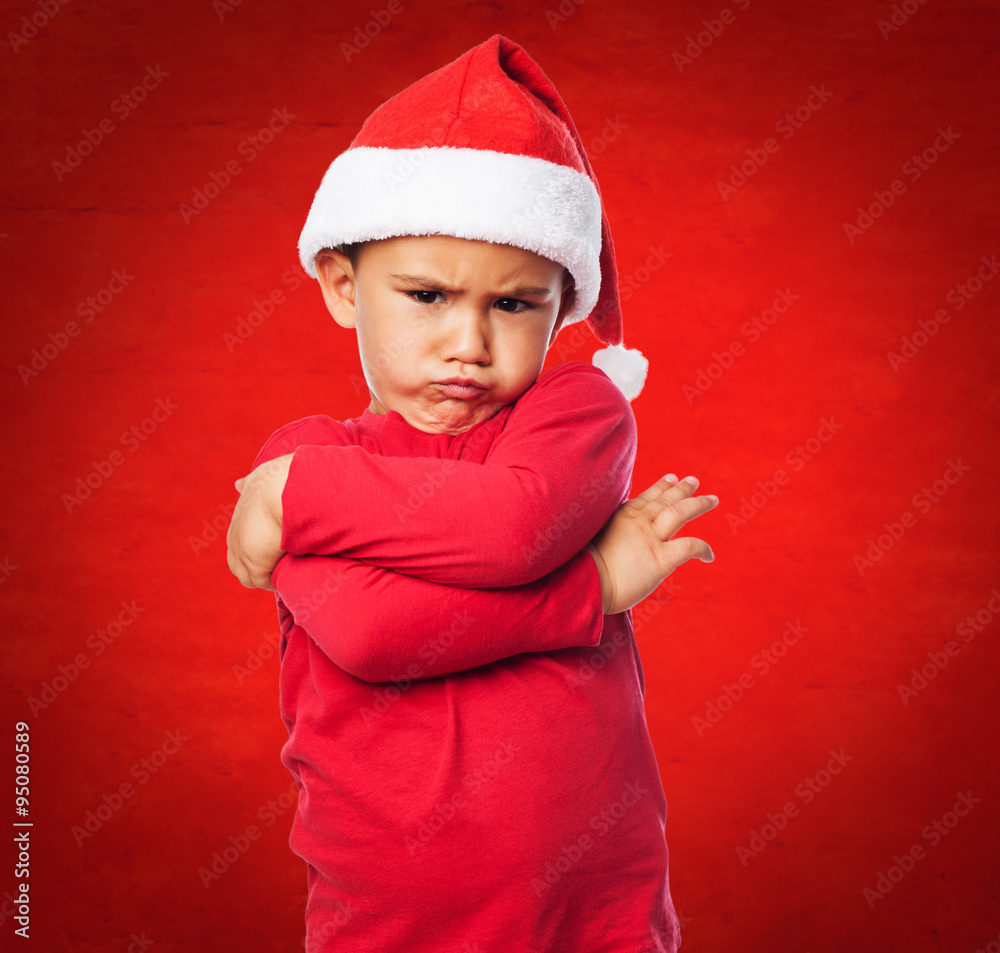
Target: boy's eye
424 297
513 305
509 305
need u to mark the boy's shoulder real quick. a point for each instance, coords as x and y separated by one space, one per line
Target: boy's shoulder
577 382
572 398
316 429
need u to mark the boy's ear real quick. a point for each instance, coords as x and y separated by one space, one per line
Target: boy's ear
566 305
336 280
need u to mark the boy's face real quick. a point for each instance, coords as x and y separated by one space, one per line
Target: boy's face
434 307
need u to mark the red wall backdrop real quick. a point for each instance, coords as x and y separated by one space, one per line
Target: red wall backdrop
822 699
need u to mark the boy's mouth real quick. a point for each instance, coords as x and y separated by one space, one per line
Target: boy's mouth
461 387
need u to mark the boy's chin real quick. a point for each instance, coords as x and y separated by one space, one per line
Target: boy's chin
450 416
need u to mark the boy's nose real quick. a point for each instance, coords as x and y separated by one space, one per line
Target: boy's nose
466 338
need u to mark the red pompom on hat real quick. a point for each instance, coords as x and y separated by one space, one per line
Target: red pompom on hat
485 149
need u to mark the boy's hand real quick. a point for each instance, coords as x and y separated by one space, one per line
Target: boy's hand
635 553
254 537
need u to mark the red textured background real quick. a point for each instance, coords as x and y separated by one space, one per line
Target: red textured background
661 139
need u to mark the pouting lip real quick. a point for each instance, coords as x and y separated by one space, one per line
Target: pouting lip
465 381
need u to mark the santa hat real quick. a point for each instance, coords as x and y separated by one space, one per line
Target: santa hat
483 148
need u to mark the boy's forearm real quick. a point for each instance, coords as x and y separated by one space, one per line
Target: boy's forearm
494 524
381 626
552 479
270 494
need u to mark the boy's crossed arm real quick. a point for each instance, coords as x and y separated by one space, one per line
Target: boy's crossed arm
391 626
634 550
566 438
382 626
553 475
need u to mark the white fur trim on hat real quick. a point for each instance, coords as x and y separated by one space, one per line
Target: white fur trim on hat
370 193
625 366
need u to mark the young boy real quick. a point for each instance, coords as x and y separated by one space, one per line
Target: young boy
454 568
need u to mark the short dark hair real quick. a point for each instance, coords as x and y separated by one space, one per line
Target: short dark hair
353 252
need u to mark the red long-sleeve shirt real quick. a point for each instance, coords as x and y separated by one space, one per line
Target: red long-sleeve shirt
466 727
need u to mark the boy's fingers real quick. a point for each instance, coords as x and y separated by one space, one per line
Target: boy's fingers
234 567
684 488
669 491
671 504
239 569
674 514
690 547
240 483
656 490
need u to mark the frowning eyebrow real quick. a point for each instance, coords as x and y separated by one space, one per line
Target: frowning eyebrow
432 284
